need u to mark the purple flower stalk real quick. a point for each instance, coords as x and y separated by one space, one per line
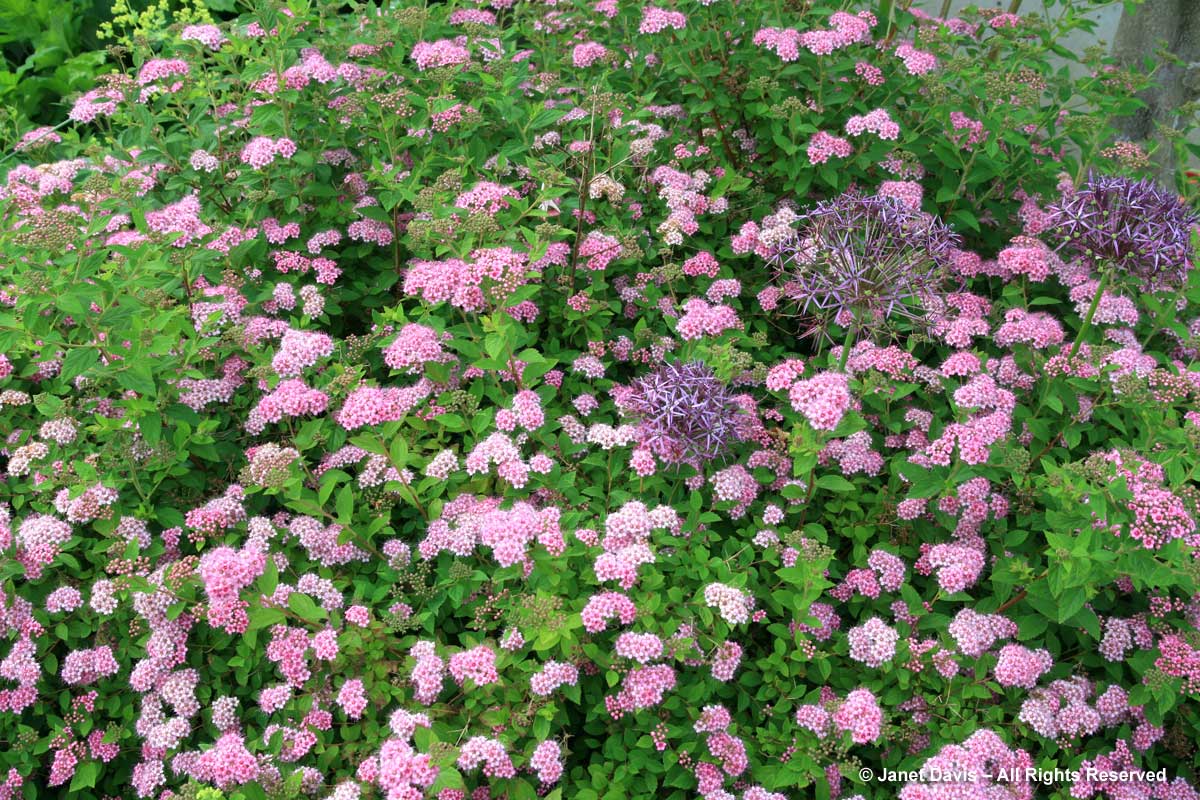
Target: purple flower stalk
1136 227
686 413
859 259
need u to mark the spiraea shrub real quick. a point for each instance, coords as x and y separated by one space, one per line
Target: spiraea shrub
598 400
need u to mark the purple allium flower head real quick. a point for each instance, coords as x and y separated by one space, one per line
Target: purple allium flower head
685 412
863 258
1138 227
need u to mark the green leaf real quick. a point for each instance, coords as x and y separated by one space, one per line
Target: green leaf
965 218
79 361
1031 627
265 617
150 426
345 505
85 776
48 405
269 580
835 483
398 452
137 378
1069 604
452 422
305 607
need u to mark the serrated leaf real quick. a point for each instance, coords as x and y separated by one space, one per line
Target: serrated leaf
265 617
269 580
305 607
835 483
150 426
137 378
79 361
85 776
1070 603
345 505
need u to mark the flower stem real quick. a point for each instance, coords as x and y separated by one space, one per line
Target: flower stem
1087 320
846 345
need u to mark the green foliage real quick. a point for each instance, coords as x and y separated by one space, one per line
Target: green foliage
154 330
51 52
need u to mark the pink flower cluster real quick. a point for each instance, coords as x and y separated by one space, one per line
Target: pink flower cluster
262 150
873 643
368 405
442 53
208 35
182 217
39 539
158 69
823 399
726 661
640 647
600 608
1027 257
1017 665
428 673
1039 330
975 633
967 132
225 573
878 122
468 521
731 603
1159 515
858 713
352 698
586 54
783 42
399 769
299 350
227 763
907 192
526 412
642 687
477 664
490 753
82 667
824 146
486 198
957 566
963 770
371 230
655 20
703 263
553 675
546 761
491 275
1113 309
415 346
600 250
1063 710
917 62
853 455
1117 775
291 398
845 30
701 319
95 103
